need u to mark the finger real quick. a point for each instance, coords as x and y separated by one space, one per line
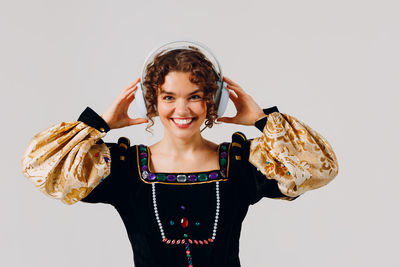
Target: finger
138 121
236 89
132 84
233 95
229 81
130 98
226 119
130 93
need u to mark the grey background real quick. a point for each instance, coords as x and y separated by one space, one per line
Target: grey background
332 64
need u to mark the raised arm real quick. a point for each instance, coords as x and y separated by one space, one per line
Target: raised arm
289 155
68 160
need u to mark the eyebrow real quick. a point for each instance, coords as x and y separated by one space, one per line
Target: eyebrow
171 93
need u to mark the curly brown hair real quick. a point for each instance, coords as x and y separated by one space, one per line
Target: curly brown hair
190 60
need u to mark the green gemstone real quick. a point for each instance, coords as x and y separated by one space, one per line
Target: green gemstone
202 177
185 235
143 161
222 162
143 149
224 148
161 177
188 255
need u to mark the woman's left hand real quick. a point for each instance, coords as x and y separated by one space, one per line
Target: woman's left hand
247 110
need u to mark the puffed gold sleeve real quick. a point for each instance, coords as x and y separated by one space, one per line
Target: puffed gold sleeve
65 162
293 154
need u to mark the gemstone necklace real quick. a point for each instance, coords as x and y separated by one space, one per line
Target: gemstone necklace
184 179
184 223
148 176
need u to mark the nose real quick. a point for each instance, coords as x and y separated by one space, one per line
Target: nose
182 108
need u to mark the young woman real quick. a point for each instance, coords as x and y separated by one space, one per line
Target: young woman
182 199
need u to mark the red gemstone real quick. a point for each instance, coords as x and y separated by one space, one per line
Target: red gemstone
165 239
206 242
190 241
210 240
195 241
187 251
178 242
201 242
190 265
173 242
169 241
183 241
96 155
184 222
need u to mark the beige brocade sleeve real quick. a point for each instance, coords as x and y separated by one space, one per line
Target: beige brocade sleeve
293 154
65 162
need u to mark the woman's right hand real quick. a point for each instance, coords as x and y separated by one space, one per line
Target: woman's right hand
116 115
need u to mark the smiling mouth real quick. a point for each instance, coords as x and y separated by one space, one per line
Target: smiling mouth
182 123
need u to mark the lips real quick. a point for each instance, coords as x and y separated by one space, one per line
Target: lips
183 123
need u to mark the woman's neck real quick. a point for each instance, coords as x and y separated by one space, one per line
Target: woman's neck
175 146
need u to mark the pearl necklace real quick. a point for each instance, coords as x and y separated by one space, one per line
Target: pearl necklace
160 226
184 241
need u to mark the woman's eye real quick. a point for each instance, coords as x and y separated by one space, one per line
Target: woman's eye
195 97
167 97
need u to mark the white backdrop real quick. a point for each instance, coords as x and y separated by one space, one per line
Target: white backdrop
332 64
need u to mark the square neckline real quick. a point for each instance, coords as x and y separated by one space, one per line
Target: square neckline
214 170
147 176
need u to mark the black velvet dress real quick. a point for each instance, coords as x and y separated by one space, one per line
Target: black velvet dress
182 219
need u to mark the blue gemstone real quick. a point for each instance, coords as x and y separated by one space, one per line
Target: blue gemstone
171 178
106 159
197 223
171 223
183 207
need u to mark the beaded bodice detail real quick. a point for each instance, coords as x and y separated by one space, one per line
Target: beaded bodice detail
185 240
147 176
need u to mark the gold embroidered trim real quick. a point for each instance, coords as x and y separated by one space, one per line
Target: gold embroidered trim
123 145
235 144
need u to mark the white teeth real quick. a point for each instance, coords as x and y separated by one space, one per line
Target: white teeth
182 122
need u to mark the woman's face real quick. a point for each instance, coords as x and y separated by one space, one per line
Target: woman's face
180 105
